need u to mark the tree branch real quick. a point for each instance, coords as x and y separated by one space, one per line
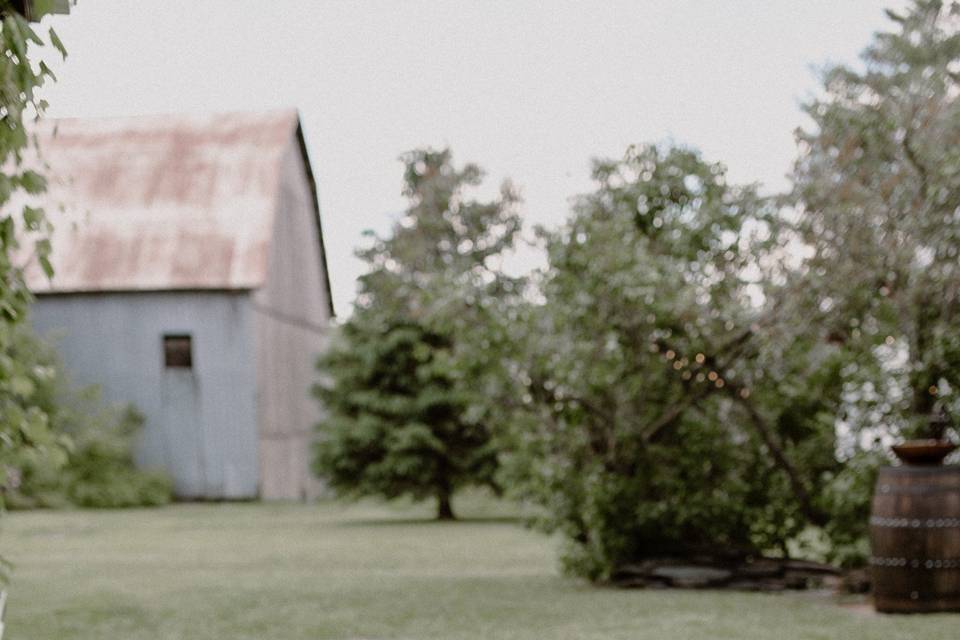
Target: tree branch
766 432
730 351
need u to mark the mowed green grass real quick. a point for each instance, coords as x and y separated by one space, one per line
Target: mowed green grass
270 571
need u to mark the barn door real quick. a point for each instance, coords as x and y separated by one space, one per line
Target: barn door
181 422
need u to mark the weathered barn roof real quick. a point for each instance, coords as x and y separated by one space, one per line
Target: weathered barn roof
163 202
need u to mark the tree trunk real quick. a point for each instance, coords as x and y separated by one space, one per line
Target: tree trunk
932 420
444 507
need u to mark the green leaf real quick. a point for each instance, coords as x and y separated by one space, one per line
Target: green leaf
45 71
33 217
43 247
7 229
32 182
58 45
6 188
46 266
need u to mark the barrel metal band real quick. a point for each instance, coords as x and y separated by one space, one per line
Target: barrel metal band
915 563
914 523
888 489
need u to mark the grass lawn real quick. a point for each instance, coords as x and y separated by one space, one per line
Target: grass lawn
367 571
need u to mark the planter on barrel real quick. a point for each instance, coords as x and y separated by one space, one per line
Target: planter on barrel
915 532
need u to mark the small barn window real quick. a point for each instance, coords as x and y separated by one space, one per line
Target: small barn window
177 351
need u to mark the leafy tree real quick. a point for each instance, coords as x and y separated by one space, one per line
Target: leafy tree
877 190
24 427
639 282
878 187
855 339
405 383
672 405
691 382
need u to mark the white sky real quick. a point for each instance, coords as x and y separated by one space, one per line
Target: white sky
529 90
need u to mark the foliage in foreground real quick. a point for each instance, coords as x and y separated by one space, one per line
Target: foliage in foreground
24 427
95 466
404 384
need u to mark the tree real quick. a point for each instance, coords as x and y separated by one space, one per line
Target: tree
850 330
646 427
405 382
24 427
877 184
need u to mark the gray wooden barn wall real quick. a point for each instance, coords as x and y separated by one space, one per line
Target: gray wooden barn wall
200 422
292 317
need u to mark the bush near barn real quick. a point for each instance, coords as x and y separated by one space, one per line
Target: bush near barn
95 466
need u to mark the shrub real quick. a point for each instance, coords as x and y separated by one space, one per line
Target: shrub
98 469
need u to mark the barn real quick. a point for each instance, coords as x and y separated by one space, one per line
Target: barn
191 280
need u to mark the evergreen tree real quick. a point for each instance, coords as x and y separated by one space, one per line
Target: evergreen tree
404 383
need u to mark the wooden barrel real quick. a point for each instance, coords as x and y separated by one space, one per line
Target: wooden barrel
915 539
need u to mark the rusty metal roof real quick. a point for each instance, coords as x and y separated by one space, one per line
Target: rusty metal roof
163 202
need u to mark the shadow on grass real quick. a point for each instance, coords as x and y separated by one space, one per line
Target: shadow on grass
406 522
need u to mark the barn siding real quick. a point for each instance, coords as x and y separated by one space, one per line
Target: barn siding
200 423
292 311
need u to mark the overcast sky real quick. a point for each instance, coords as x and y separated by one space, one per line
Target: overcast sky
529 90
